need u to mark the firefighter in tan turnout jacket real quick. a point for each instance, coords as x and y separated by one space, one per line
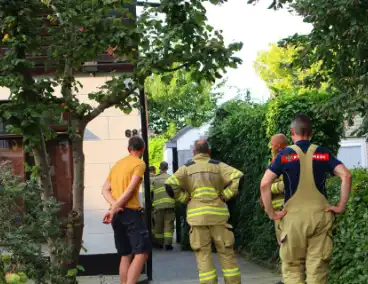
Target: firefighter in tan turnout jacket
163 209
206 184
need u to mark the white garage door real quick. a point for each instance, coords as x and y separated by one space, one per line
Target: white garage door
353 153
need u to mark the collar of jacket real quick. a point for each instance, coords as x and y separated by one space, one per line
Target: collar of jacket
201 157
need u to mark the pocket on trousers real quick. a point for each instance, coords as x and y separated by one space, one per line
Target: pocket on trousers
194 239
327 247
284 248
229 238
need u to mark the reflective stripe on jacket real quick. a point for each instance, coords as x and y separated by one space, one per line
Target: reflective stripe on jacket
161 199
203 181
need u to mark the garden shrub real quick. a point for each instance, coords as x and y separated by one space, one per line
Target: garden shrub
350 256
25 228
327 127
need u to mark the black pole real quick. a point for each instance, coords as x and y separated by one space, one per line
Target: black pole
147 187
179 206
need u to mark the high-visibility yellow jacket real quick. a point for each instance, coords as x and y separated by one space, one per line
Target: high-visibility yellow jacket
205 184
161 199
277 190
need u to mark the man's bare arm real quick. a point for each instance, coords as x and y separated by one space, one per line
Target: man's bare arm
346 179
133 186
106 192
266 194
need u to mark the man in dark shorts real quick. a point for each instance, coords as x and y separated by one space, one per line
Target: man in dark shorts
307 217
121 190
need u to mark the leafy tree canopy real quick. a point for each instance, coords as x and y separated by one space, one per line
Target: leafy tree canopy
338 40
180 100
275 67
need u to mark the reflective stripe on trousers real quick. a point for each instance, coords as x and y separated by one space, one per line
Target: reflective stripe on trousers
205 276
201 238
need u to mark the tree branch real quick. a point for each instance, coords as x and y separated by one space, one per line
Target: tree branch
176 68
111 101
98 110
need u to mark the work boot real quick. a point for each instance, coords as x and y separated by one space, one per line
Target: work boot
157 246
169 247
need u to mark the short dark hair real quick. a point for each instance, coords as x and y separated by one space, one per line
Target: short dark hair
164 166
136 143
202 147
151 169
302 125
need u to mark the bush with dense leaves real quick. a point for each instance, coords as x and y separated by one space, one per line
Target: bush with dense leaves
350 257
27 223
327 127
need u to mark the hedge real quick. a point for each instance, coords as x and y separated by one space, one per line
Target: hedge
350 257
327 127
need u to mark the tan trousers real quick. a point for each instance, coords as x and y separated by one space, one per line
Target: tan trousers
201 238
164 226
306 239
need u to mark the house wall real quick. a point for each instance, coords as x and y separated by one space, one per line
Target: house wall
185 145
104 144
354 150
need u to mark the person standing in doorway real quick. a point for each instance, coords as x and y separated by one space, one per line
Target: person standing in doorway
164 210
121 190
307 218
206 184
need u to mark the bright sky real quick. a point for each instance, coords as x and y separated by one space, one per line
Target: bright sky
255 26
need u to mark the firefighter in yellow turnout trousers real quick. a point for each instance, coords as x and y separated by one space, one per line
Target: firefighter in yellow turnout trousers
307 218
278 142
207 184
163 208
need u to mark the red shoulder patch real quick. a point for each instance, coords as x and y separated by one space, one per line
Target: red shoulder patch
321 157
289 158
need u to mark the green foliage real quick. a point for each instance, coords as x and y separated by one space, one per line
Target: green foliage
338 40
156 150
274 66
157 144
25 228
327 125
350 256
177 98
240 136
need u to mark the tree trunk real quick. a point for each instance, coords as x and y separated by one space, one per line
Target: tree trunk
78 188
42 162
